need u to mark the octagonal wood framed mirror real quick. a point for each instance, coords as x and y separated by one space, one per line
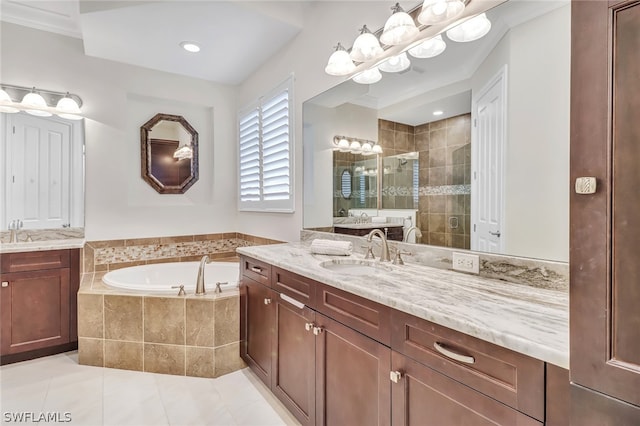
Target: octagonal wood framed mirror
169 153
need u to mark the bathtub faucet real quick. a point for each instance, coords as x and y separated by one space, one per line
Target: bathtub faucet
200 280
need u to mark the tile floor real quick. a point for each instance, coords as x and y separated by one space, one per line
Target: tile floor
96 396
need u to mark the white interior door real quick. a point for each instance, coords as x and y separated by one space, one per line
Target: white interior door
38 171
487 151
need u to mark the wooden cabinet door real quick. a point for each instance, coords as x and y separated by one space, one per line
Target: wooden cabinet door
293 367
424 397
256 327
352 377
605 230
35 310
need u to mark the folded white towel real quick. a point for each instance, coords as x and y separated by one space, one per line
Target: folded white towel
338 248
378 219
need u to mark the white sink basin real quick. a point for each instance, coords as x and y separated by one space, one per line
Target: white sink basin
354 267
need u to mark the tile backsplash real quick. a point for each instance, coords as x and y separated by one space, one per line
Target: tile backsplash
115 254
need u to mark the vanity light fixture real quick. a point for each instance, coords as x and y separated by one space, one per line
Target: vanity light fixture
34 103
5 103
356 146
366 47
470 30
368 76
428 48
396 63
400 33
183 152
399 28
190 46
439 11
339 62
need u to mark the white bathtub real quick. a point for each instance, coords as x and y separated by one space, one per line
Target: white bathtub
160 277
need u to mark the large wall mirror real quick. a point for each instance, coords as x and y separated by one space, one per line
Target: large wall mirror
42 179
475 141
169 153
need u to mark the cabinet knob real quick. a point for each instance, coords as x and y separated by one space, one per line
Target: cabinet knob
5 283
317 330
308 326
395 376
267 301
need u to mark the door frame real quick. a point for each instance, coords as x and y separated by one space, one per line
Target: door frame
499 78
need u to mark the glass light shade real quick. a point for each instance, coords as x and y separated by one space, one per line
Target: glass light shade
376 149
370 76
68 108
438 11
395 63
470 30
35 104
339 62
343 145
6 102
355 146
183 152
429 48
366 47
366 149
399 28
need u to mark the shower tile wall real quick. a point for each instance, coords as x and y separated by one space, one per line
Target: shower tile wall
444 148
396 138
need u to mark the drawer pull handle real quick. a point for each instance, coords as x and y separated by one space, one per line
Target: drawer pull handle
453 355
5 283
308 326
395 376
291 300
317 330
256 269
267 301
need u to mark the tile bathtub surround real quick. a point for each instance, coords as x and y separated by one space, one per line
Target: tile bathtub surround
193 335
544 274
115 254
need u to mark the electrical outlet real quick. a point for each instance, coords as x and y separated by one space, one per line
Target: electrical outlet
466 262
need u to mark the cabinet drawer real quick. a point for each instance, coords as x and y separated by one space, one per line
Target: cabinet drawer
35 261
365 316
256 270
299 288
512 378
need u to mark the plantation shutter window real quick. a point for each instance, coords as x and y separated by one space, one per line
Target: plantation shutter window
265 153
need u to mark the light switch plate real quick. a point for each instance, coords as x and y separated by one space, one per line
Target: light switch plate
586 185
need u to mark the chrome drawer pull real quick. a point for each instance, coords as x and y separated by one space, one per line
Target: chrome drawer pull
453 355
291 300
267 301
395 376
308 326
256 269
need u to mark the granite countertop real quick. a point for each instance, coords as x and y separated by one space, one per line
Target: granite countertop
368 225
46 239
528 320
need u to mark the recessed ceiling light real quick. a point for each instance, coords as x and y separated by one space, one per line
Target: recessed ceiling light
438 112
190 46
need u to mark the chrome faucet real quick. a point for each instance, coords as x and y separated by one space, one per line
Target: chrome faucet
384 255
414 229
14 227
200 280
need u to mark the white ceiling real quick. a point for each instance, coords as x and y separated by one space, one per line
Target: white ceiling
236 37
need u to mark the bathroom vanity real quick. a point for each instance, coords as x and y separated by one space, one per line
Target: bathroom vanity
402 345
38 302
